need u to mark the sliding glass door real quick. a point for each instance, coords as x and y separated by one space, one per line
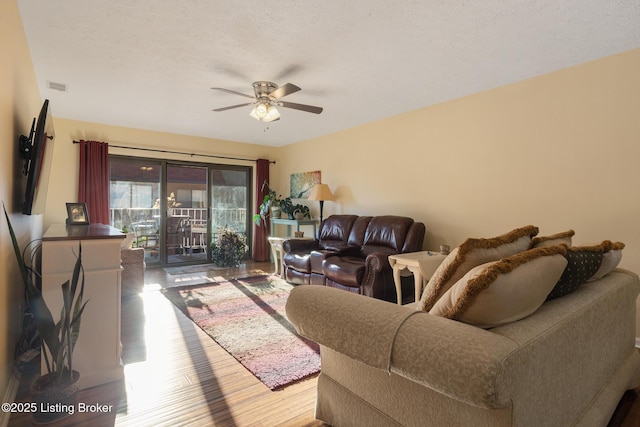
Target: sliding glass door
176 209
186 220
230 201
135 202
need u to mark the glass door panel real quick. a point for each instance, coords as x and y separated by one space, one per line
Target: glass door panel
134 202
230 201
186 214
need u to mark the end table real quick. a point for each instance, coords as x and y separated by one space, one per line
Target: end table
422 264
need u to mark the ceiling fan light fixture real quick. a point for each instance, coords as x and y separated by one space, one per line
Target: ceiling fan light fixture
265 112
254 114
272 114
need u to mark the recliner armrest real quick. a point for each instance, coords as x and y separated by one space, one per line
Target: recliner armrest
300 245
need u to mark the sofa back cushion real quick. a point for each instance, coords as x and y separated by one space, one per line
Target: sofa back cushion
386 234
356 237
335 230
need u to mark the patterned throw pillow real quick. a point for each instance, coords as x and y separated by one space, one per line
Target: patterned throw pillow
503 291
582 263
472 253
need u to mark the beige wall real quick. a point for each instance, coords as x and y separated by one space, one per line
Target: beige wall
19 102
558 151
63 185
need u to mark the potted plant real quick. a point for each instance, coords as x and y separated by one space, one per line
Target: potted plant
271 205
294 211
228 248
127 242
56 391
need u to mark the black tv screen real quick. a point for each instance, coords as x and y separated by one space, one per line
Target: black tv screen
37 150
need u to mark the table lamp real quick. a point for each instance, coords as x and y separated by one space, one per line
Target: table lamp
321 192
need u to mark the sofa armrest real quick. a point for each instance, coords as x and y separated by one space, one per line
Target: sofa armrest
300 245
452 358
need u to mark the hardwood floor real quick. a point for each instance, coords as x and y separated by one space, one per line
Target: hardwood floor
175 375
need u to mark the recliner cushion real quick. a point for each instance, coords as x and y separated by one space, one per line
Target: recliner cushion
346 270
335 230
386 234
299 261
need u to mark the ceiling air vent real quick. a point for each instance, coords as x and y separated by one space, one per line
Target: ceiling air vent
57 86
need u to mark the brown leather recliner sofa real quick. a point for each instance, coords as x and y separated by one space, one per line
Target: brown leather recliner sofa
351 253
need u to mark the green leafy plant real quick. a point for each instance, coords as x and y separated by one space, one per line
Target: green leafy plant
271 199
59 338
290 209
228 248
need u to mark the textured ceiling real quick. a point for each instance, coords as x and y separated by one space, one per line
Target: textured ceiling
150 64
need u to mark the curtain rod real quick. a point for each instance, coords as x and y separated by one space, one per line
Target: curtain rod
181 152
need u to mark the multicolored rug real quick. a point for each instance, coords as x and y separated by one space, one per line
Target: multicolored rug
247 318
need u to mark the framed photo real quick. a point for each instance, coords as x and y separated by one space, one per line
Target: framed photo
77 214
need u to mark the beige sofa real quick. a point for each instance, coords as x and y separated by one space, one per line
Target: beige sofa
568 364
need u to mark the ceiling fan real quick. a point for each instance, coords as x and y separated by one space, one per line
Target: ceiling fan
266 100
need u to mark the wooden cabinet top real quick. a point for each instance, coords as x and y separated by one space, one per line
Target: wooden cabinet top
81 232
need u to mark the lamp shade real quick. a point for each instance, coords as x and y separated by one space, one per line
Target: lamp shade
321 192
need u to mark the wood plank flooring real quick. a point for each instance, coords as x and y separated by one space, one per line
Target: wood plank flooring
175 375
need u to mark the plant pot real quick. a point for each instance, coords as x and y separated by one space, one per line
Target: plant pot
128 241
54 401
275 212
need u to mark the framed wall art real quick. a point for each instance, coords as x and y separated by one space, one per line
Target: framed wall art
302 183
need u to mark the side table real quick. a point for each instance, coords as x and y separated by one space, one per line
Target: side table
277 253
422 264
295 223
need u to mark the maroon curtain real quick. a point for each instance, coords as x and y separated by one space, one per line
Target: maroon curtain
261 250
93 180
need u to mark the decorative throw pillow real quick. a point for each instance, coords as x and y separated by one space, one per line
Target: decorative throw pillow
472 253
610 259
503 291
582 263
554 239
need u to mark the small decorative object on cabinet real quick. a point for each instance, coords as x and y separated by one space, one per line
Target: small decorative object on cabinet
77 214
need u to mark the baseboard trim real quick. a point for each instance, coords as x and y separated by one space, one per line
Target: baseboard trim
9 396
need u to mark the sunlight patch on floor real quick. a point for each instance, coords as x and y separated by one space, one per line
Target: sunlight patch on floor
203 278
148 382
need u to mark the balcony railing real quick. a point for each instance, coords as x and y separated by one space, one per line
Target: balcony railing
235 218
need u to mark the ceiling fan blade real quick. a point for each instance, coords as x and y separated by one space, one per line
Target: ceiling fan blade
233 92
284 90
302 107
233 106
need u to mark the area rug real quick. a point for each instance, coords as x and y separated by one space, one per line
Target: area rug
247 318
189 269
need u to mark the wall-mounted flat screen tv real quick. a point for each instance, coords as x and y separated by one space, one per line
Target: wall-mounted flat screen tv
37 151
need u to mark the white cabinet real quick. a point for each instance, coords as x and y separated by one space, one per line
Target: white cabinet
98 349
